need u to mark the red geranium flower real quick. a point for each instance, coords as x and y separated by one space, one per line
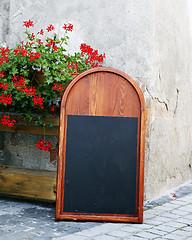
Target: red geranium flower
50 42
6 99
55 48
41 32
6 121
44 145
40 42
53 108
28 23
1 74
57 87
38 100
4 86
68 27
50 28
33 56
32 36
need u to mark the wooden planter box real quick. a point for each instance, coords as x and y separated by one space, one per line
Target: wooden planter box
30 127
25 182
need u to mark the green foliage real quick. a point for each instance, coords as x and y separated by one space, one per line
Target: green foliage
20 89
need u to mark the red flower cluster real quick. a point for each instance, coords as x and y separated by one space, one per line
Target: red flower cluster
71 65
4 55
6 121
4 86
40 42
53 108
50 28
51 42
29 43
6 98
33 56
31 91
28 23
55 48
18 80
44 145
57 87
91 55
38 100
2 74
21 50
68 27
24 52
32 36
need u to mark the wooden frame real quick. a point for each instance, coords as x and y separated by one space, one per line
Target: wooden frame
102 92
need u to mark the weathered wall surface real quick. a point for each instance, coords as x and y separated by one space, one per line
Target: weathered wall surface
4 20
169 93
150 41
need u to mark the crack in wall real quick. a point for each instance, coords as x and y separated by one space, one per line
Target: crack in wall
177 99
156 98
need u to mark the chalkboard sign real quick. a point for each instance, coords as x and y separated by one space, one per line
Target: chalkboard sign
101 149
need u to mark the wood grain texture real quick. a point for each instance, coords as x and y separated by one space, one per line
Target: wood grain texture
102 92
33 183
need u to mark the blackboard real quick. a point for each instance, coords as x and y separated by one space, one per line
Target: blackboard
101 161
100 174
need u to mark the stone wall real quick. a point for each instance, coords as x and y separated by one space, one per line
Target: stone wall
149 40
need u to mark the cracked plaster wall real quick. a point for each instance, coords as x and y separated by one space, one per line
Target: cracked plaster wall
150 41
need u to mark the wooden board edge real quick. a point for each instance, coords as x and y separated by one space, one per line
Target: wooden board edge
30 129
142 165
99 218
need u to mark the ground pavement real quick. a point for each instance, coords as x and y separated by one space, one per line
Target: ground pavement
165 218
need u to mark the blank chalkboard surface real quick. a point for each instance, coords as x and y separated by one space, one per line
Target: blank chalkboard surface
100 173
101 160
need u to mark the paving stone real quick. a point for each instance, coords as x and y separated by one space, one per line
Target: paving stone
92 232
155 211
165 228
158 232
178 212
130 229
189 216
174 236
176 224
71 237
147 235
154 222
184 220
183 233
105 237
169 205
148 215
143 226
162 219
119 234
111 226
189 228
133 238
170 215
186 208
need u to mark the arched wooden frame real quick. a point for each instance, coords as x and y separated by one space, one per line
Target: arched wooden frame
102 92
